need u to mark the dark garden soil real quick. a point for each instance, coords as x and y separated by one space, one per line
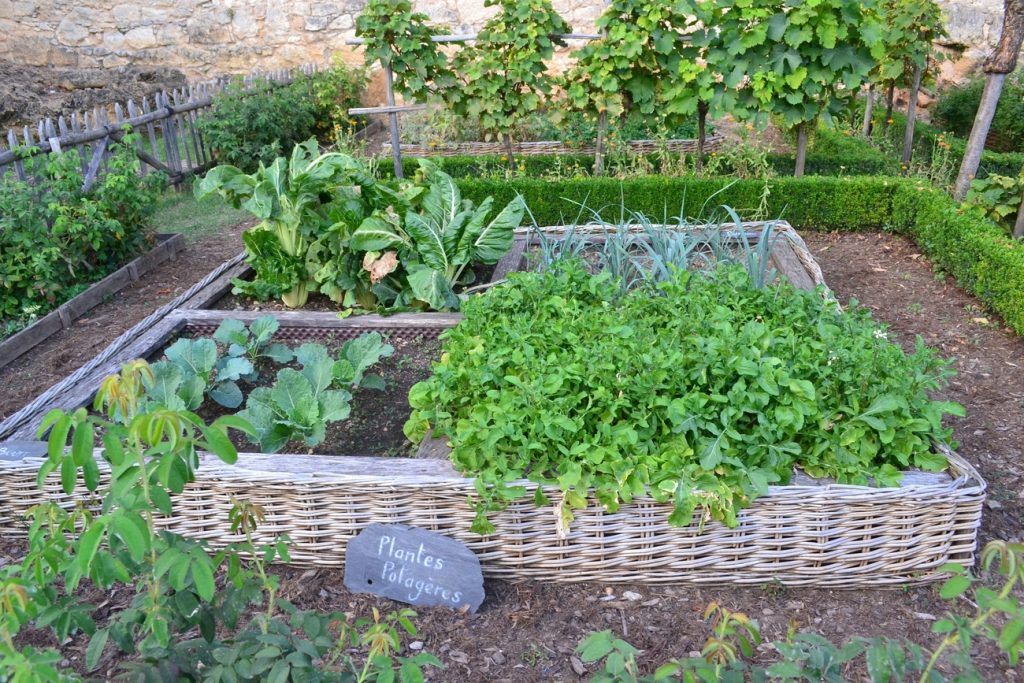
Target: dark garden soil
320 302
527 631
375 425
69 349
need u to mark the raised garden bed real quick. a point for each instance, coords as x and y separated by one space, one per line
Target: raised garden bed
167 247
451 149
811 532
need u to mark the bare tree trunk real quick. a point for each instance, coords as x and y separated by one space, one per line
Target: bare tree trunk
702 118
908 134
1018 227
869 110
602 128
507 139
890 97
999 63
979 132
801 149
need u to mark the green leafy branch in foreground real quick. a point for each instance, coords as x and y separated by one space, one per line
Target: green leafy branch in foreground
700 392
180 622
998 618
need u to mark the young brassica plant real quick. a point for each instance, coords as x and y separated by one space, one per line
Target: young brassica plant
301 403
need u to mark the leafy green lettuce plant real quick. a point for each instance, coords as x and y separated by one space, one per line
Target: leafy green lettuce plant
700 392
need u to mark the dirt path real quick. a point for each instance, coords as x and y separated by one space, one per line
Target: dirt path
63 353
527 632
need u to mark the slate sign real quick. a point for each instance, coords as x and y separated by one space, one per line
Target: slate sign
18 450
414 566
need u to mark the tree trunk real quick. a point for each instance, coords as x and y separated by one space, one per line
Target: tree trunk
1001 62
801 149
1018 228
890 97
702 118
908 134
602 128
979 132
1004 59
507 139
869 110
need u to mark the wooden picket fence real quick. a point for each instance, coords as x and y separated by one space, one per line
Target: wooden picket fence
170 139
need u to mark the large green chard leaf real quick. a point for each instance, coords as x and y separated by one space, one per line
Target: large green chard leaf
234 185
429 240
376 233
433 288
443 199
494 239
195 357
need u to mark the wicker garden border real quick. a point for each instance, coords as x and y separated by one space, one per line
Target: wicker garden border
451 149
810 532
167 248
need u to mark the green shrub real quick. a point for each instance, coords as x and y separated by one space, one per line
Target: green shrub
584 387
56 240
957 106
820 203
249 126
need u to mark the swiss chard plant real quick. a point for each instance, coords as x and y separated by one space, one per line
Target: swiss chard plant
298 238
588 389
302 402
440 237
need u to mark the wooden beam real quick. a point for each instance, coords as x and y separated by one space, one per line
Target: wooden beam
391 109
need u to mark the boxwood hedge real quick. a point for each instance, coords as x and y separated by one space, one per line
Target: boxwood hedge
982 257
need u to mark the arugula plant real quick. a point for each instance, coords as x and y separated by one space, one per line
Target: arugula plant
438 239
769 379
302 402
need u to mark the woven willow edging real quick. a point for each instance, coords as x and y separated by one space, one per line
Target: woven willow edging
453 149
812 534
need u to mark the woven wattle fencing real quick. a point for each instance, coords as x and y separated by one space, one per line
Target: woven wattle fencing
812 534
452 149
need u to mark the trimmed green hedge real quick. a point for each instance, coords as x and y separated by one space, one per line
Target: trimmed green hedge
982 257
811 203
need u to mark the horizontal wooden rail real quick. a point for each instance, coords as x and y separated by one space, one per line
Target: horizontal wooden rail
467 37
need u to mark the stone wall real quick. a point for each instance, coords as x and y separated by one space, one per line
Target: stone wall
213 37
